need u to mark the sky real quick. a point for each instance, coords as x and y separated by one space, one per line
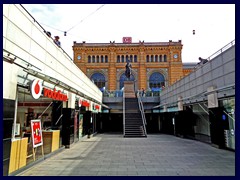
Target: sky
214 24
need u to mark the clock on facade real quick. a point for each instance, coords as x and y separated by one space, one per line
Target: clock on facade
175 56
79 57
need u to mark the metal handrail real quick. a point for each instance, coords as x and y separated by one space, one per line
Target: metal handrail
123 113
142 113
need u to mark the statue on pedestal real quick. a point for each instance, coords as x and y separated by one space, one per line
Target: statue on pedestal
128 71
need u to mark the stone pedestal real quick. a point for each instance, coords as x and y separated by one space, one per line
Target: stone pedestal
129 89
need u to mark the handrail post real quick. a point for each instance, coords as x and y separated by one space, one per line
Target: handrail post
123 114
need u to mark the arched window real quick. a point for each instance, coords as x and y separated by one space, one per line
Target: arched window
89 59
118 59
99 80
160 58
147 58
97 59
152 58
131 58
135 58
124 78
165 58
156 81
93 59
122 58
156 58
106 59
102 59
127 59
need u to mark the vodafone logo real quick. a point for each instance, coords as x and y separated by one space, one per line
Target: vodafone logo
36 88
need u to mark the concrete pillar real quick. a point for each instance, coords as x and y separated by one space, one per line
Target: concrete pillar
180 103
212 97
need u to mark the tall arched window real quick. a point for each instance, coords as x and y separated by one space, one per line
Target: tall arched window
152 58
156 58
131 58
124 78
160 58
89 59
165 58
156 81
97 59
122 58
135 58
118 59
99 80
147 58
102 59
93 59
106 59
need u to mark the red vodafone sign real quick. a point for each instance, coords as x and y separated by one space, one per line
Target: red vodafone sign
36 88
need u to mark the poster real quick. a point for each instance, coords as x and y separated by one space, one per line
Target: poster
36 130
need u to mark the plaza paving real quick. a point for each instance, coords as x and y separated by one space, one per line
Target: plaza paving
156 155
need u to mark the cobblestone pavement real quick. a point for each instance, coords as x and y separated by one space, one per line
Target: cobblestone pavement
156 155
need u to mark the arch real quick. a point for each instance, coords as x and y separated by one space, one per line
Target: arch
118 59
147 58
93 59
98 79
102 59
122 58
124 78
156 81
106 59
135 58
156 58
89 59
165 58
97 58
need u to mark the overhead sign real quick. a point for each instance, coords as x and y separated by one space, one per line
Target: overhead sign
127 39
36 88
36 130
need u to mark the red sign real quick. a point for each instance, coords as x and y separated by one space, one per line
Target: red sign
85 103
57 95
36 88
97 107
127 39
36 132
36 91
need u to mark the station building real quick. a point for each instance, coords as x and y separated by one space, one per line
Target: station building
155 65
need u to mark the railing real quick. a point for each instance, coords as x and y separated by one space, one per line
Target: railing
119 93
142 112
123 114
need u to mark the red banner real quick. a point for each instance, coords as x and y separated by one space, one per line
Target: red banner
127 39
36 132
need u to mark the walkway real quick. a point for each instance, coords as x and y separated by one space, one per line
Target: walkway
156 155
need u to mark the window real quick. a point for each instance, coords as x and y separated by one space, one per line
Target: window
97 59
127 58
156 58
156 81
102 59
89 59
135 58
147 58
99 80
106 59
152 58
165 58
122 58
131 58
118 59
124 78
160 58
93 59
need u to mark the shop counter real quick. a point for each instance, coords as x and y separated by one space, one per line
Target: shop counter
18 156
51 140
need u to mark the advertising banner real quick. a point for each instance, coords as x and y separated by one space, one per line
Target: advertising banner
36 130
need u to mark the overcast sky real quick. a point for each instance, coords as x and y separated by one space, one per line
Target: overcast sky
214 24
